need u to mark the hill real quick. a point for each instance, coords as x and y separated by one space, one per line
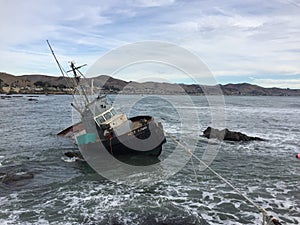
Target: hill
254 90
40 84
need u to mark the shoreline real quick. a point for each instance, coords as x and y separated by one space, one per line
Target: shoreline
15 94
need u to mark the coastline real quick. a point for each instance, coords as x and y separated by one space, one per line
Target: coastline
43 85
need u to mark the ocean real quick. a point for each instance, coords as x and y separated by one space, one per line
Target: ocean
63 191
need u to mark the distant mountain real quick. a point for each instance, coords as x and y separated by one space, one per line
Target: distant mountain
255 90
59 85
29 80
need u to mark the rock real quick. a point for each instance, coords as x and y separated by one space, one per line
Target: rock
32 99
228 135
10 174
5 97
76 155
8 178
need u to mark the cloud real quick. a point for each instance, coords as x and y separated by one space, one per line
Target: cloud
153 3
250 46
282 83
234 38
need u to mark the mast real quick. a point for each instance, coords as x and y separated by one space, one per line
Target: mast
86 103
75 71
64 74
57 62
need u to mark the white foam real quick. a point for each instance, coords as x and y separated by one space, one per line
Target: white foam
69 160
1 157
21 173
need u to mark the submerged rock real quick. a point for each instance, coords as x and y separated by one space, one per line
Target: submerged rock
33 100
10 174
228 135
76 155
12 177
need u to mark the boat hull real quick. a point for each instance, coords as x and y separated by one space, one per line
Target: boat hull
139 147
144 140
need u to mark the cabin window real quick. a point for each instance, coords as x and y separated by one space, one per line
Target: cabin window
108 115
113 112
100 119
105 116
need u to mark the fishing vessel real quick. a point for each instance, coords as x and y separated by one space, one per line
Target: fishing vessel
119 135
101 127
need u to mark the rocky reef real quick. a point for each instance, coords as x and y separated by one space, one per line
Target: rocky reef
228 135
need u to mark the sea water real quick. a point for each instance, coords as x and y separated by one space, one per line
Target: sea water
69 192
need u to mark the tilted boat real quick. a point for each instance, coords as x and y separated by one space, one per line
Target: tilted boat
119 135
101 127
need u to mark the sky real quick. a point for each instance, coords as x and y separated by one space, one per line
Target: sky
257 42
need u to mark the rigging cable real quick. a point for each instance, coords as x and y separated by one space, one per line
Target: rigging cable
267 219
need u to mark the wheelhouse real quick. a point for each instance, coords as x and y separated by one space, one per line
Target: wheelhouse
110 119
106 115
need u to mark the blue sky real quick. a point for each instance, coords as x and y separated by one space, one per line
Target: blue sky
240 41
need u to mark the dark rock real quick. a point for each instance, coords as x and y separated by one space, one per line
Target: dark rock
8 178
228 135
76 155
32 99
2 174
5 97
